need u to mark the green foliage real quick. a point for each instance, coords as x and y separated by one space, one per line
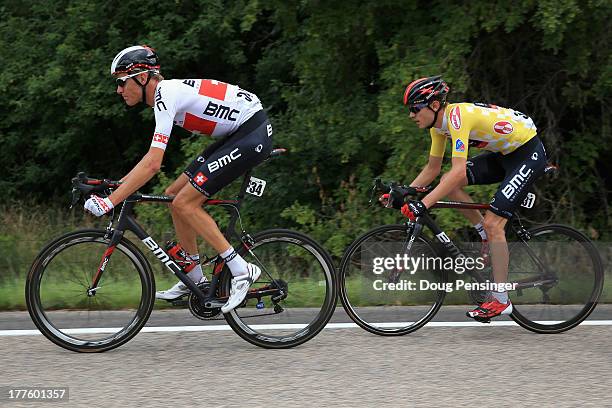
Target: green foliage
331 75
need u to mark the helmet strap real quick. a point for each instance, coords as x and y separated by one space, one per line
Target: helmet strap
144 88
433 122
435 113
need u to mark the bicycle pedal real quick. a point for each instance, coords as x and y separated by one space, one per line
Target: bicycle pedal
478 318
482 319
179 302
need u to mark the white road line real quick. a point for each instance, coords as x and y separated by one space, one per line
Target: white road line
224 327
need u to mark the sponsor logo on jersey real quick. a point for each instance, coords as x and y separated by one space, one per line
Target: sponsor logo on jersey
503 128
159 104
459 146
221 111
200 179
534 156
160 138
455 118
516 182
224 160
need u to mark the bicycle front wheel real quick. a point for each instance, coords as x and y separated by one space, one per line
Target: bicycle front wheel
70 312
382 289
295 295
558 277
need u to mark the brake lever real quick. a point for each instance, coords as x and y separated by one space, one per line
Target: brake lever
379 186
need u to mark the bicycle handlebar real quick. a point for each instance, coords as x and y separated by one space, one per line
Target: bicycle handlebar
85 186
394 188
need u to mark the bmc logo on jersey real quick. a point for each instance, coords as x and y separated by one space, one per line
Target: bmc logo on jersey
516 182
459 146
455 118
503 128
224 160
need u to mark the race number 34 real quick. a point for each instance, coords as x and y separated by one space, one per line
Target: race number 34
256 186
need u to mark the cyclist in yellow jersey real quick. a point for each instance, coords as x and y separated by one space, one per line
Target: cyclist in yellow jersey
515 158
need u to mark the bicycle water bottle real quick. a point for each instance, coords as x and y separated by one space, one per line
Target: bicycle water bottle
178 254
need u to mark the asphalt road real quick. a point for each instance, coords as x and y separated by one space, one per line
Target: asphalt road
435 366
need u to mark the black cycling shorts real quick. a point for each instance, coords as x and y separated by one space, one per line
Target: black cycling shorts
227 159
516 171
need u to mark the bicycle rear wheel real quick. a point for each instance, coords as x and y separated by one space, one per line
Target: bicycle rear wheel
301 274
380 299
559 278
68 312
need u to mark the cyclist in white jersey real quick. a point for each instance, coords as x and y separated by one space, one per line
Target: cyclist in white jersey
226 112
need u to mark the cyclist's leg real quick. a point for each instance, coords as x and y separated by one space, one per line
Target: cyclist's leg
184 232
249 146
498 303
208 175
186 235
494 226
458 194
481 169
522 168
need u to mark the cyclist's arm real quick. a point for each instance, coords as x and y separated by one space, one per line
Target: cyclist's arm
429 172
124 178
165 110
451 181
139 175
434 165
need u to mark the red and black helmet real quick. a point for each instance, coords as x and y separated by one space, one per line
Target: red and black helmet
132 59
426 90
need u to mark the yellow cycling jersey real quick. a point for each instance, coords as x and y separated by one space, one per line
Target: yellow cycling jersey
482 126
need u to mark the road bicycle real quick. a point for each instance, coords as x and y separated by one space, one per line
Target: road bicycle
107 284
555 273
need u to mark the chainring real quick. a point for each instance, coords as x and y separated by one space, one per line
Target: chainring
198 309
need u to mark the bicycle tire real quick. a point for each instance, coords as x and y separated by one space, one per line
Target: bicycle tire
383 328
591 298
44 265
308 321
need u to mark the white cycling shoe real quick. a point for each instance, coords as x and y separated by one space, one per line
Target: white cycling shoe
240 287
178 290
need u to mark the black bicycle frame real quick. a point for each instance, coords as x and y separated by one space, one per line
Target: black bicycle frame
125 221
415 228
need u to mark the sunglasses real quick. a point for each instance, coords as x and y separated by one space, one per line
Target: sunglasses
416 108
122 80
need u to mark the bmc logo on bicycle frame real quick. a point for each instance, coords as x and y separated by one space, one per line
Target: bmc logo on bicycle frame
161 255
515 182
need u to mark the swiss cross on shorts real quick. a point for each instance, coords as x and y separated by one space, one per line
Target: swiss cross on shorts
200 179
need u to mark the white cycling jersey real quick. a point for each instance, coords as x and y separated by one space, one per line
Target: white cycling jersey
203 106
